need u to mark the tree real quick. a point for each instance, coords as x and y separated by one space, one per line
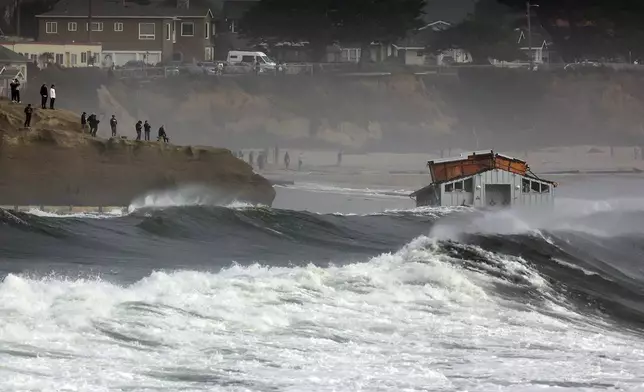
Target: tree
590 28
489 33
323 22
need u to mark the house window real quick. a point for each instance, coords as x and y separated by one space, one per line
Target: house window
96 26
74 59
51 27
72 26
206 30
449 187
59 58
168 31
468 185
536 187
83 57
146 31
214 29
208 54
458 186
118 26
545 188
233 26
420 53
187 29
525 186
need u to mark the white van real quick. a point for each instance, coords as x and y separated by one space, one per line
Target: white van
239 56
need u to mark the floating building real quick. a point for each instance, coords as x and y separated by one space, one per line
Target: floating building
484 179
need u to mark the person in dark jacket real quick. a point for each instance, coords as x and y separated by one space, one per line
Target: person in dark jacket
15 91
113 123
162 135
93 124
287 160
28 112
84 121
147 128
44 94
138 127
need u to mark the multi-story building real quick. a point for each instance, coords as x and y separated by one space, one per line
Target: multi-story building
131 31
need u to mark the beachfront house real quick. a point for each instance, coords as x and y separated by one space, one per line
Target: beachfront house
131 31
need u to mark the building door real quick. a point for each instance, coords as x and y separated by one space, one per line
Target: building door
498 195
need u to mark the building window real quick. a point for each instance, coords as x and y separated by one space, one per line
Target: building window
51 28
536 187
168 32
59 58
233 26
206 30
187 29
118 26
146 31
83 57
208 54
96 26
449 187
72 26
74 59
214 29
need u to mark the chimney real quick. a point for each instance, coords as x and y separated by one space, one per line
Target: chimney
183 4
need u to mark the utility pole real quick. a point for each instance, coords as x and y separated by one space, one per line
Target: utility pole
529 9
89 22
528 6
18 18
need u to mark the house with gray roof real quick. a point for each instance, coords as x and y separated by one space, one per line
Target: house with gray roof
133 32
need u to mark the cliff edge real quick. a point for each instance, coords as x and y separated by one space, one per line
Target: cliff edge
55 163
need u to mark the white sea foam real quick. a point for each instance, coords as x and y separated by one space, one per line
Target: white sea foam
328 188
183 197
411 320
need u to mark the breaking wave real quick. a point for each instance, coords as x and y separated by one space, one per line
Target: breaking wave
182 294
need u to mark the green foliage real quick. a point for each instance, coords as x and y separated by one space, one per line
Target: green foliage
323 22
488 33
591 28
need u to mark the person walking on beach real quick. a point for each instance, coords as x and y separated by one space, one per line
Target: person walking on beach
299 162
28 112
340 158
287 160
113 123
147 128
84 121
44 94
52 96
138 127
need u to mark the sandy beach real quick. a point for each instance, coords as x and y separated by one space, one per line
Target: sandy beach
406 172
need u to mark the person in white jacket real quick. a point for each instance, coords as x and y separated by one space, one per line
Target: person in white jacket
52 96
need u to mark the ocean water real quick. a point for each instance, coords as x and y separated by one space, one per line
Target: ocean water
332 289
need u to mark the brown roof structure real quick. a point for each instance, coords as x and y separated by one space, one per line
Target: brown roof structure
121 9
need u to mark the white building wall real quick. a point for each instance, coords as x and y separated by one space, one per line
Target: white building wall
519 195
65 55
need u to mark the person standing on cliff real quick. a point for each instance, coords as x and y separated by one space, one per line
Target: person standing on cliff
162 135
147 128
84 121
28 112
251 158
15 91
52 96
138 127
113 123
44 94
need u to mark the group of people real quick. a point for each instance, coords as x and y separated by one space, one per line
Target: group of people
47 93
262 158
146 128
92 121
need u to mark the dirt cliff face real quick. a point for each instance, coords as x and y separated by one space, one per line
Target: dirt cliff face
55 164
467 108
